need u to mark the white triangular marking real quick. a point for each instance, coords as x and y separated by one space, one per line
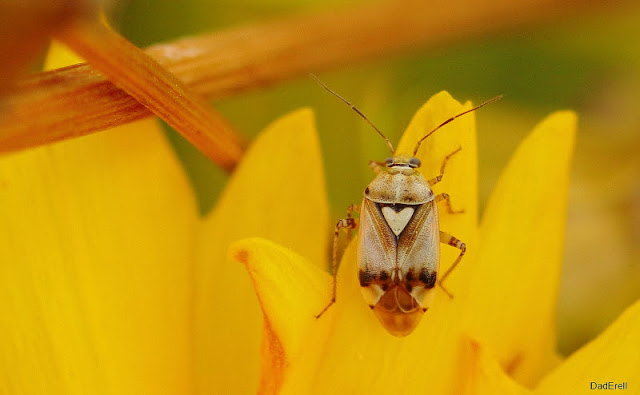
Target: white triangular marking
397 220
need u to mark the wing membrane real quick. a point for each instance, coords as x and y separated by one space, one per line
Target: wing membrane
377 243
419 243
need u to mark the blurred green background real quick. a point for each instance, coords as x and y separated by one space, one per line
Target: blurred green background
588 63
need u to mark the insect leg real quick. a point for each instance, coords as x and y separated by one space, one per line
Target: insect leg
376 166
447 198
437 179
348 223
350 210
446 238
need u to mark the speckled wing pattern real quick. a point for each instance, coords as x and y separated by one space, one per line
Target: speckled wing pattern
419 243
377 243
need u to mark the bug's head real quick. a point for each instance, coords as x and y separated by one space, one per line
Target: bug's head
402 161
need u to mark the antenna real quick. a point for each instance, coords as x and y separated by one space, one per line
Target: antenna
415 151
356 110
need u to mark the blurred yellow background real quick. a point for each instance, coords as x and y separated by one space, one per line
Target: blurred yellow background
587 62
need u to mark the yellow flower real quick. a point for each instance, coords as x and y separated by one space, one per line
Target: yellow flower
277 192
497 335
110 283
96 266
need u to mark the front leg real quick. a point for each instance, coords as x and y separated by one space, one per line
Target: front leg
437 179
446 238
376 166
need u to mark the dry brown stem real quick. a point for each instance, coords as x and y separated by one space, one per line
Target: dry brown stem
46 107
26 27
156 88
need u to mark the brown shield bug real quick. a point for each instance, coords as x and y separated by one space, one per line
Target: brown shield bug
399 236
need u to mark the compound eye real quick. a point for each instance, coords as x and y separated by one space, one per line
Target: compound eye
414 162
388 162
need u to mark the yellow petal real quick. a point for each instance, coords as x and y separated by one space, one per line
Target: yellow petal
362 356
60 56
277 192
346 348
460 176
481 374
291 291
512 294
611 357
96 238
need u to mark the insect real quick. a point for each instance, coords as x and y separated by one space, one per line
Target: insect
399 236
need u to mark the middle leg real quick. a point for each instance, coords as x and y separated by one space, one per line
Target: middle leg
447 199
446 238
